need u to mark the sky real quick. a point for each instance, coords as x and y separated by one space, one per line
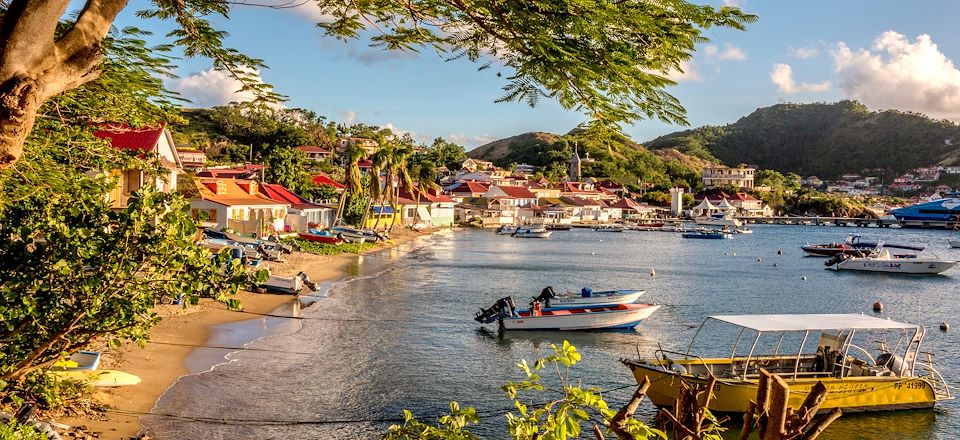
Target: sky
888 54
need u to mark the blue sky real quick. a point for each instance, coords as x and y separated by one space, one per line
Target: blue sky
885 53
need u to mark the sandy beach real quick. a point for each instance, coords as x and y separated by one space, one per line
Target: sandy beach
162 361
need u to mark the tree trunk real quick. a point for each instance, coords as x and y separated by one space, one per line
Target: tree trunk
35 65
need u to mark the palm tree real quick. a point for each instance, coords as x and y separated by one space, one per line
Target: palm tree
401 175
425 177
353 180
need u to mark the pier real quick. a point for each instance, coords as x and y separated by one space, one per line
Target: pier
848 221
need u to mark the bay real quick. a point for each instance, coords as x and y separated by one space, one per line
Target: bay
398 332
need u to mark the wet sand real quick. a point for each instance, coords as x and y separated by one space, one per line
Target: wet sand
173 353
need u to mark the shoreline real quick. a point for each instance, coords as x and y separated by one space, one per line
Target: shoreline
180 345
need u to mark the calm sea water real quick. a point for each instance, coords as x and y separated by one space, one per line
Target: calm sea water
398 332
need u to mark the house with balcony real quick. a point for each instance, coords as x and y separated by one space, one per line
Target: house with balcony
192 159
147 143
717 176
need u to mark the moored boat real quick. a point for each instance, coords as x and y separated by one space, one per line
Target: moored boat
587 297
887 374
532 232
721 219
881 260
853 245
944 210
715 235
506 230
618 316
555 227
609 228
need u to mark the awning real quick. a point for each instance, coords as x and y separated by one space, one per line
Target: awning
765 323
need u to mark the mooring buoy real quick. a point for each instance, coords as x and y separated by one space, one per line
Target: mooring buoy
944 326
878 306
803 278
653 273
780 252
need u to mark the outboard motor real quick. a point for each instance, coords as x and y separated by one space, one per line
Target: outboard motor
306 281
545 296
503 307
836 259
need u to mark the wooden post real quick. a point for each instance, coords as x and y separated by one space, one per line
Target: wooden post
776 420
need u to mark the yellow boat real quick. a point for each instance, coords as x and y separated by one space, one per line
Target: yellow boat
99 378
856 380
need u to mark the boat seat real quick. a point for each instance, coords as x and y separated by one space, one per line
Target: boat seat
557 312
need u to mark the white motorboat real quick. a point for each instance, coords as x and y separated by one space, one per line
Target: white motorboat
609 228
881 260
722 219
532 232
603 297
619 316
506 230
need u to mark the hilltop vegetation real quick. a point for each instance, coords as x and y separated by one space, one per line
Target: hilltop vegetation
826 140
612 156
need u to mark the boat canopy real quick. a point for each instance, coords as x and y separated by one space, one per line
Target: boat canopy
811 322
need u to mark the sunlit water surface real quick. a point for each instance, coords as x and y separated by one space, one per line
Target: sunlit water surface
398 333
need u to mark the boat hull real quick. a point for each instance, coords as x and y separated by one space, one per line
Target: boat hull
621 316
319 238
523 234
606 297
706 235
99 378
856 394
905 266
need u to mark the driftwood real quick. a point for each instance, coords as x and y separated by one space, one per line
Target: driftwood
774 418
688 416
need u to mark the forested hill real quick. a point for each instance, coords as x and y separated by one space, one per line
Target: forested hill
616 157
825 140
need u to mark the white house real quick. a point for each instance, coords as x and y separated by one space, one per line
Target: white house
237 204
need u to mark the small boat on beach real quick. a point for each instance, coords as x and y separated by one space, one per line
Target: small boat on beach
866 363
83 366
532 232
319 237
619 316
881 260
288 285
714 235
587 297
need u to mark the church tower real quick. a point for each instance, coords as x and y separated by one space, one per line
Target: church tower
575 172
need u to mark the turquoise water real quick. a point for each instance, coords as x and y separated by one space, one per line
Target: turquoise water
399 332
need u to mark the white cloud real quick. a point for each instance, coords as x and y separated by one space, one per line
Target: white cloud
311 11
803 53
729 52
347 117
211 87
686 73
470 141
400 133
735 3
782 77
900 74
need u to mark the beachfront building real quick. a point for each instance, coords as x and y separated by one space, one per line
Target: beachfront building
148 143
237 204
512 196
489 215
381 216
588 210
555 210
434 210
315 153
717 176
302 213
633 210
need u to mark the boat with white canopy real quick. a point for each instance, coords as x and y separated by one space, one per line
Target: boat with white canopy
866 363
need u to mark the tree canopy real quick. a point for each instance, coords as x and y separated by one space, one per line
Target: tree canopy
608 58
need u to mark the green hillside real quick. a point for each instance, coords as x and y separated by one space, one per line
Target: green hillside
615 157
825 140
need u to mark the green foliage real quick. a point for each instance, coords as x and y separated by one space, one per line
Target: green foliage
46 391
15 431
449 427
333 249
604 154
442 153
826 140
558 419
606 57
286 166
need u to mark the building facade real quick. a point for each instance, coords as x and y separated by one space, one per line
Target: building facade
714 177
